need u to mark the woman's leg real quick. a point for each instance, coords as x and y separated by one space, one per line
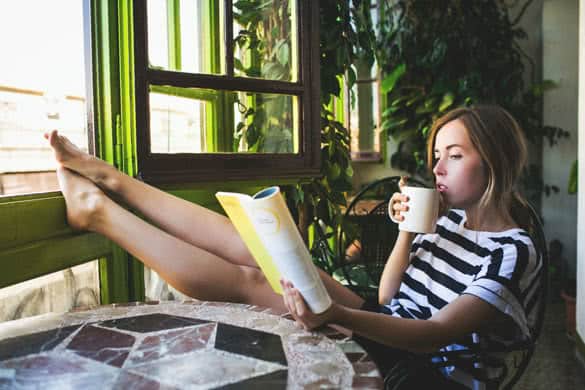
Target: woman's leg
192 270
194 231
184 220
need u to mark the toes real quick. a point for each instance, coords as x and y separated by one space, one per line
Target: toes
53 137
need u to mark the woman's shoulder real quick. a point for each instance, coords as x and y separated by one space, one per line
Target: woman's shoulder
453 218
515 244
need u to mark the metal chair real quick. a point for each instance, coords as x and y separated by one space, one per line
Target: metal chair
366 223
513 358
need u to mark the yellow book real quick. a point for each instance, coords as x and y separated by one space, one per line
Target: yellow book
268 230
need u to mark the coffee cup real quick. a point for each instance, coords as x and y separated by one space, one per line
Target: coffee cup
423 210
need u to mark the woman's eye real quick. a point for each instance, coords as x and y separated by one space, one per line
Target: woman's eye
455 156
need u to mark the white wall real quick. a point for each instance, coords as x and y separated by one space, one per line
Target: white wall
581 190
560 26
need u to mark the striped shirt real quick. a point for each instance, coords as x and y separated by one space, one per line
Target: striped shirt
500 268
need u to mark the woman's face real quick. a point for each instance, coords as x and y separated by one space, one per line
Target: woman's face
459 170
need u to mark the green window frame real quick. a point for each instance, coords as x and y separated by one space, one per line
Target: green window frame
37 239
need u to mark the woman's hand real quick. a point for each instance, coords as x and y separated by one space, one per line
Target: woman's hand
398 202
298 308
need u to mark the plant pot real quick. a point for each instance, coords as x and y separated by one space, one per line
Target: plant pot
570 310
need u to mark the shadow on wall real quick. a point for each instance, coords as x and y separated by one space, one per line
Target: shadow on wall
73 288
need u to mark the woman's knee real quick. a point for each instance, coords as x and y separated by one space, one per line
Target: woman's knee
254 287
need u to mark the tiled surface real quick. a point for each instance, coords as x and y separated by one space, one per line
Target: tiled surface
176 345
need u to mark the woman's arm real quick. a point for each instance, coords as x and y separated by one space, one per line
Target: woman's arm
397 263
399 257
456 320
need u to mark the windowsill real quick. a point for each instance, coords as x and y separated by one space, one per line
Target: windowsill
366 157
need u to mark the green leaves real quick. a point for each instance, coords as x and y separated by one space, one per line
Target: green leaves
440 55
392 78
573 178
447 101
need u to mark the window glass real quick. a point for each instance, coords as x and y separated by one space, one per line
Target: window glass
265 39
176 124
73 288
42 86
158 37
182 121
265 123
186 38
363 119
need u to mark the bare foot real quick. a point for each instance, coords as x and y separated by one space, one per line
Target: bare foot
70 156
84 200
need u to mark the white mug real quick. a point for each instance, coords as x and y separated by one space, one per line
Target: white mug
423 210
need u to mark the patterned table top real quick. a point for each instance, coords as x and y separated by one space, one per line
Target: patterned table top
174 345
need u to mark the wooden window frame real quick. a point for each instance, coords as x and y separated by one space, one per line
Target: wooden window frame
162 168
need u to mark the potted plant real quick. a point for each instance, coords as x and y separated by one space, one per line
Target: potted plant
562 284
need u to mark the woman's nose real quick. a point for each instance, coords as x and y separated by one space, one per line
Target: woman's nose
439 168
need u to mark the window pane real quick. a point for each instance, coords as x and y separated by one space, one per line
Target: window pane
76 287
184 120
189 40
41 88
266 123
266 39
364 114
176 124
158 37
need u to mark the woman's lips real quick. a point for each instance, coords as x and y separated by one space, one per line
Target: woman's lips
441 187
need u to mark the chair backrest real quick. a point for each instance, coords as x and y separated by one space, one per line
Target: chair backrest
367 235
536 232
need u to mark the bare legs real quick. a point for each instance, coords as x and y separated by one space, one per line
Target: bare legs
196 250
184 220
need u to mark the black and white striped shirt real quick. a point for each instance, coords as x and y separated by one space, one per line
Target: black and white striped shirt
501 268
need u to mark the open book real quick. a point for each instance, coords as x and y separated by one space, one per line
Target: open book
268 229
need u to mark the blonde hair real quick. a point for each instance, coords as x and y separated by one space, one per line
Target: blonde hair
501 144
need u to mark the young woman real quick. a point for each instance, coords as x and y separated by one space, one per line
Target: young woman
474 274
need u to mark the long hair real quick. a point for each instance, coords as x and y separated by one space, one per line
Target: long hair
501 144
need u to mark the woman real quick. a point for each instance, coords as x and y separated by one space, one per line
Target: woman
472 275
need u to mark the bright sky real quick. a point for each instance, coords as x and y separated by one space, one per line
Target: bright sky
41 45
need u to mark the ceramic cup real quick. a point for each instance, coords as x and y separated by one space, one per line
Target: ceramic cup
423 210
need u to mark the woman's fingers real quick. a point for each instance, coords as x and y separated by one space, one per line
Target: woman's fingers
398 204
290 302
299 303
402 182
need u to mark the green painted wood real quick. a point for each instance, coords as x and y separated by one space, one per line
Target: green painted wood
114 287
105 77
31 220
43 257
190 93
174 33
218 110
127 109
114 123
127 134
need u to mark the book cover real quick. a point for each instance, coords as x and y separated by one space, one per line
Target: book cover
268 230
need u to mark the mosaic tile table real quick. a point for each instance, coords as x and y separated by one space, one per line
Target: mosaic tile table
175 345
